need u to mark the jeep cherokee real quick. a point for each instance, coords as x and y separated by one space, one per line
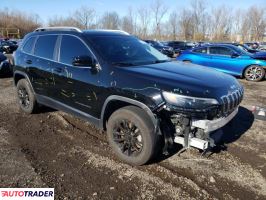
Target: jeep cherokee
126 87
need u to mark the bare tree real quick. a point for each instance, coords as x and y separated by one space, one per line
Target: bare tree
144 22
257 22
19 20
159 10
85 17
199 19
63 21
173 24
110 20
128 22
221 24
186 24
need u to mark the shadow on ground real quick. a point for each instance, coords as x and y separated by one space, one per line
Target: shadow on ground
228 134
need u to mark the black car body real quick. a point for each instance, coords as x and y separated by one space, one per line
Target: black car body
105 76
4 65
7 46
166 50
179 46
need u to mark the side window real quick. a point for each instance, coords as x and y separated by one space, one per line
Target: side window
220 51
201 50
45 46
29 45
72 47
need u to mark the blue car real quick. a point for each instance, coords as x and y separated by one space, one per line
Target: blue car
227 58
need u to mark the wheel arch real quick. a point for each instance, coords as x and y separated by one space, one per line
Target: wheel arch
245 68
18 75
114 102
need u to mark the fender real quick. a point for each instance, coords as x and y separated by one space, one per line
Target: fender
131 101
24 75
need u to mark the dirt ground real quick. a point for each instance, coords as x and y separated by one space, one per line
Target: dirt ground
54 149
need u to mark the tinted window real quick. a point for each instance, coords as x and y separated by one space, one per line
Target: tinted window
201 50
220 51
126 49
45 46
29 45
72 47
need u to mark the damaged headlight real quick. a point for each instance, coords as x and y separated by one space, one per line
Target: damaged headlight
188 102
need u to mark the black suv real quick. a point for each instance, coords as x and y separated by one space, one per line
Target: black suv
126 87
169 51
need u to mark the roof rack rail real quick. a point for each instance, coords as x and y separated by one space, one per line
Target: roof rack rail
57 28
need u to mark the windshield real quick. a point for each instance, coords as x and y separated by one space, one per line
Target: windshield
240 51
126 50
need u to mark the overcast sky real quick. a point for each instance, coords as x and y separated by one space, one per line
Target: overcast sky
49 8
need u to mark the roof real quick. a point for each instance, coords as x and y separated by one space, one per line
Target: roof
102 32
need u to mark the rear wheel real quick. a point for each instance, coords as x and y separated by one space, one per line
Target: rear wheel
132 135
254 73
26 97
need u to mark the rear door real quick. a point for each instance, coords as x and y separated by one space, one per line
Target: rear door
40 65
201 56
222 60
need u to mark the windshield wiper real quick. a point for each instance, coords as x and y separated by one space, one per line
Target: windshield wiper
123 63
162 61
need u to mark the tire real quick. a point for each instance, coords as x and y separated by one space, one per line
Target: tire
131 135
26 98
254 73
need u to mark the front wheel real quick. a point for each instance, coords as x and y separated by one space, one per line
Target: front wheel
131 135
254 73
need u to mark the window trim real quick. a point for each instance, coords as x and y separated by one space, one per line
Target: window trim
53 58
220 54
33 46
59 52
57 48
207 51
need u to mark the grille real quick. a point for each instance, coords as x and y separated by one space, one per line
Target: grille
231 101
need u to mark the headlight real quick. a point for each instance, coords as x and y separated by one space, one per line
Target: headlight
188 102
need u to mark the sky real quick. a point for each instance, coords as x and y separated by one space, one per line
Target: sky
49 8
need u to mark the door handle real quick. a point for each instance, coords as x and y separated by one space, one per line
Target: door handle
29 62
58 70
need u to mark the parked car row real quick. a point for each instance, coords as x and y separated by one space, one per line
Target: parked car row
5 67
8 46
228 58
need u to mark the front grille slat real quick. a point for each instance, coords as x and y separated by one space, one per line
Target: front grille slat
231 101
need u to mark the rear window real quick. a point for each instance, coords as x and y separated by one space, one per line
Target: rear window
29 45
45 46
201 50
220 51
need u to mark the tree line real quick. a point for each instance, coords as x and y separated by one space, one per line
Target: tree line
198 22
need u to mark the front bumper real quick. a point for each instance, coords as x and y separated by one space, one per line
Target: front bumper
212 125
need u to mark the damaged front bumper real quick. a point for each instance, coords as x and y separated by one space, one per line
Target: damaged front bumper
212 125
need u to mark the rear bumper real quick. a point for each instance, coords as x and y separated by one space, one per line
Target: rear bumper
5 67
212 125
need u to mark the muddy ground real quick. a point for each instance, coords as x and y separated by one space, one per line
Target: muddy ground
54 149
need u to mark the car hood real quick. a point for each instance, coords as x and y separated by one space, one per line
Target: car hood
182 78
2 57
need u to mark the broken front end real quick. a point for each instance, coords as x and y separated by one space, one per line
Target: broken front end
192 122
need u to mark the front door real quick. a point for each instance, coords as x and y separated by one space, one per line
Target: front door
76 85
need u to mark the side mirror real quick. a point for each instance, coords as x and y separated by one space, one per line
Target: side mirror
85 61
234 55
